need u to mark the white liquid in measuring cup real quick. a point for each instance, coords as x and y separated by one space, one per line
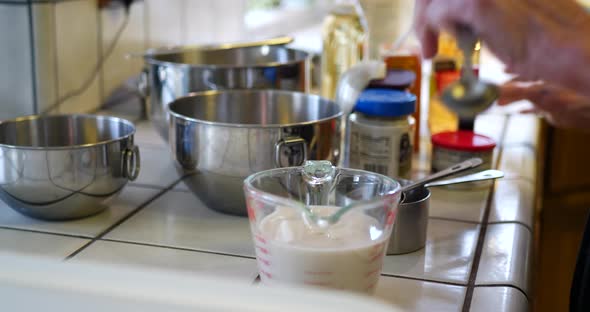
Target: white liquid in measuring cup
347 255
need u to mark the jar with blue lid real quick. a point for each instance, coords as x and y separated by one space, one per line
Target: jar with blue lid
381 132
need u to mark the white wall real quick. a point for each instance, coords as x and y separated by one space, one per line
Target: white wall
49 48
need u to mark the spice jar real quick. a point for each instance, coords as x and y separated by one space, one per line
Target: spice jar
382 131
404 80
452 147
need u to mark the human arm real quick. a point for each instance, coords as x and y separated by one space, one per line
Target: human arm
536 39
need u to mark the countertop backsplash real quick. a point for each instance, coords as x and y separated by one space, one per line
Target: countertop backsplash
52 47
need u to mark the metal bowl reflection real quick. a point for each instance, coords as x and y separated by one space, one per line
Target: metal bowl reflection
65 166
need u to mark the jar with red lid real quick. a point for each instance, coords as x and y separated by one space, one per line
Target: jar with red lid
452 147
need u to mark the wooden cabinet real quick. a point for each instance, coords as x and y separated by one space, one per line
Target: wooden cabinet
564 202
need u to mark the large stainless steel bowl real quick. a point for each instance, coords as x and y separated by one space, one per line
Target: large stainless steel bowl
223 137
66 166
171 75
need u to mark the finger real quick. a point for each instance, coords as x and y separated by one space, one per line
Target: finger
530 111
428 37
447 14
520 80
517 91
511 93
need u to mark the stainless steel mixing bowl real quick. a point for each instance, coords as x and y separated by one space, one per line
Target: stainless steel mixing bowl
224 136
65 166
174 74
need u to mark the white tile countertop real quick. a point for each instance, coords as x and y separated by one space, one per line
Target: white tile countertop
477 256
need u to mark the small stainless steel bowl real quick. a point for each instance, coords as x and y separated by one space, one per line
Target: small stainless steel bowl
65 166
411 224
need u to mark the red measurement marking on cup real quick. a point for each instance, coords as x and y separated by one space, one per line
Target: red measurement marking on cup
378 247
260 238
267 274
262 250
323 273
371 273
264 261
250 202
390 217
371 287
376 257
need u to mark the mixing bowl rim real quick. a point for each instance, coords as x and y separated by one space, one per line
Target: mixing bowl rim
252 126
69 147
251 189
151 59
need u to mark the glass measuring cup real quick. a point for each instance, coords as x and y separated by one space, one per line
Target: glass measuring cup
320 225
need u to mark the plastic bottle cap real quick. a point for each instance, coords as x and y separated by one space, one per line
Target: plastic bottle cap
395 79
463 141
386 103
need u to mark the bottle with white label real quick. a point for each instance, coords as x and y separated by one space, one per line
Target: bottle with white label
382 132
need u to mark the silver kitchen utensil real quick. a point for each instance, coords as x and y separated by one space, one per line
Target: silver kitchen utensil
174 74
409 230
469 96
65 166
221 137
411 224
466 165
475 177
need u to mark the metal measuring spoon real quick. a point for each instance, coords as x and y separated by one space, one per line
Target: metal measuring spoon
469 96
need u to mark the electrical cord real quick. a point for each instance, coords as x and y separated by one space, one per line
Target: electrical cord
100 62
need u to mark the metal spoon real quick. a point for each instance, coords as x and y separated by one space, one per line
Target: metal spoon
469 96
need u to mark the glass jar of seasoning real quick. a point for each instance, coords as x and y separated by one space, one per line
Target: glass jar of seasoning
382 131
452 147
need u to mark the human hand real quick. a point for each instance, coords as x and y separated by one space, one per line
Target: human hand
536 39
561 107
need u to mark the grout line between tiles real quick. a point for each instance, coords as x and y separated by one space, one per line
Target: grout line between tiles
423 280
177 248
122 220
483 229
3 227
504 285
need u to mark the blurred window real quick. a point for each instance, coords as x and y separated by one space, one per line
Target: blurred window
277 17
